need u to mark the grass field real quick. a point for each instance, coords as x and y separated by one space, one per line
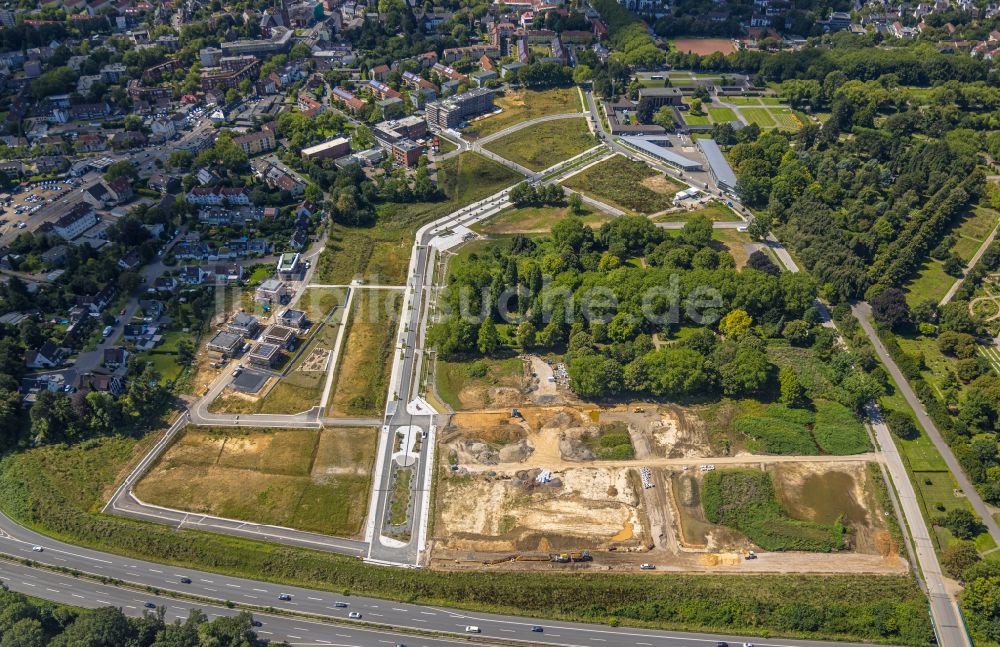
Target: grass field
300 478
630 186
382 253
362 377
522 106
537 220
714 211
54 489
301 390
721 115
696 120
776 429
743 101
318 303
542 145
736 243
760 116
930 283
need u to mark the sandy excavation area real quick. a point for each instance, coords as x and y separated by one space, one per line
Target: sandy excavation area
514 490
577 509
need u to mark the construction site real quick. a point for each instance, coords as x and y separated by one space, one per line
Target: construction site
578 487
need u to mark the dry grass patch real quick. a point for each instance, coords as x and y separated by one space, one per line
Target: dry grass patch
310 479
366 358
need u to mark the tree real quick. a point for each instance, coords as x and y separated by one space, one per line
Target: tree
759 227
697 231
122 168
575 203
696 106
747 373
792 392
901 424
735 324
672 371
958 557
761 262
797 332
488 340
132 122
526 333
26 632
103 627
664 117
890 309
594 375
960 522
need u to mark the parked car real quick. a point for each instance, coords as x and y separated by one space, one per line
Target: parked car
647 567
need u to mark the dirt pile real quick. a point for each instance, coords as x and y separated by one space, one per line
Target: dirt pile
516 452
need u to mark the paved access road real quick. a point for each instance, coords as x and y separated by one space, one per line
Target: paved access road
396 616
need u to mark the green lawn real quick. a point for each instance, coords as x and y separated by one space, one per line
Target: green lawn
760 116
542 145
930 283
518 106
696 120
630 186
714 211
721 115
743 101
785 118
167 365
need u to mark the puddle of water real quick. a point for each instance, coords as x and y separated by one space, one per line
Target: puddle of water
827 496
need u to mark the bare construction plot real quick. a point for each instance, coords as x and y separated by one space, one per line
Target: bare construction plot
518 492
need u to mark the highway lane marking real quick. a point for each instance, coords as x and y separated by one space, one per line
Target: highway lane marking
234 586
27 583
428 613
261 590
208 581
644 644
377 615
77 595
53 590
247 595
312 598
300 629
598 640
417 620
509 631
153 570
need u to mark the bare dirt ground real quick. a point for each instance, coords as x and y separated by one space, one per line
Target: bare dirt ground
546 389
659 184
704 46
515 489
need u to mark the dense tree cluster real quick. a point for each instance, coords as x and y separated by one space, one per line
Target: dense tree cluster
26 622
578 291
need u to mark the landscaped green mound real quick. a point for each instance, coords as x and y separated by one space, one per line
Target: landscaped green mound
744 499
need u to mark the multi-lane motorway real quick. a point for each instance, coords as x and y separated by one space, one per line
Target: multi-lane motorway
401 623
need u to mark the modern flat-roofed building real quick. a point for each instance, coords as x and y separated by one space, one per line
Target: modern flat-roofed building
279 336
224 345
271 291
290 266
718 166
264 356
332 149
450 112
244 324
661 96
663 154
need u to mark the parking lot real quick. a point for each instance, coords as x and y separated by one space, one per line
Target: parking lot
19 207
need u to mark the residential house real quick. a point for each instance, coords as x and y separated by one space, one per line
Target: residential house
163 183
47 356
115 358
152 310
112 384
290 267
295 319
244 324
79 219
224 345
271 292
279 336
265 356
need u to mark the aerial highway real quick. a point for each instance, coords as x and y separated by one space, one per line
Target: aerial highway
300 619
